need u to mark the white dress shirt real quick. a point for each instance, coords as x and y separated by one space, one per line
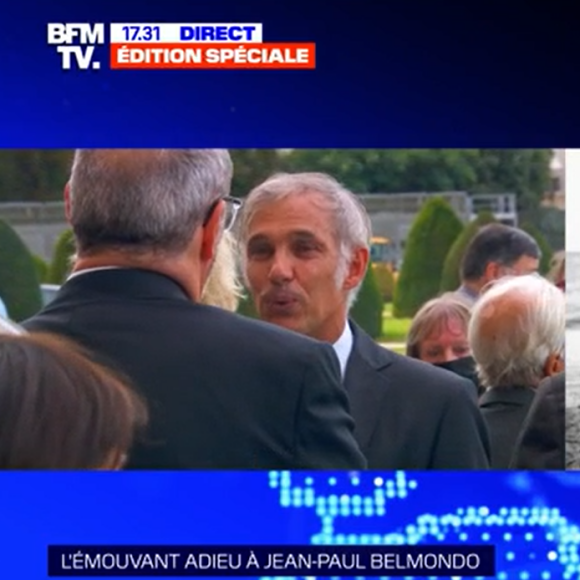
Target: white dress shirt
343 347
75 274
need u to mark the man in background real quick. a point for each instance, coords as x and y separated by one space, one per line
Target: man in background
542 440
495 251
305 242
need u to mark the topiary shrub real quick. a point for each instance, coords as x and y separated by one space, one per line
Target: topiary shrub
545 248
432 233
63 252
386 281
41 268
367 311
550 221
19 283
451 277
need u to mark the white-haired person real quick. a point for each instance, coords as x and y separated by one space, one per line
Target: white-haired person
517 339
9 327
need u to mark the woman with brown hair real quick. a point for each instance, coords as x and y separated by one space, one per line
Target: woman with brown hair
61 410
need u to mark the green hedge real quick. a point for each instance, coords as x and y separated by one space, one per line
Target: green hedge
386 280
545 248
41 268
63 251
19 282
367 311
246 307
451 278
432 233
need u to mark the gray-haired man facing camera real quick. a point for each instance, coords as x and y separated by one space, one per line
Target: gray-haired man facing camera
224 391
306 251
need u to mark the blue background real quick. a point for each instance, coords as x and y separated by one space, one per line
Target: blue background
404 74
260 507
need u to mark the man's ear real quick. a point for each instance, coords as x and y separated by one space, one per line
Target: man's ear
67 201
554 365
211 232
492 272
357 268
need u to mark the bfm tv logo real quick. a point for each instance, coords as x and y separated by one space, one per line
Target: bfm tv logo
83 36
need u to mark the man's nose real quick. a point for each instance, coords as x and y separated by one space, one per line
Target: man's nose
282 268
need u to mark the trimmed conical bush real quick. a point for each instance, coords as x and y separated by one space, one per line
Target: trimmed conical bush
451 278
19 282
432 234
61 260
367 311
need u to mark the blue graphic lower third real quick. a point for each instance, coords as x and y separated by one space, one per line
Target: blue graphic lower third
289 520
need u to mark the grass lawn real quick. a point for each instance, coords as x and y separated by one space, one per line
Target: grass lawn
397 349
394 329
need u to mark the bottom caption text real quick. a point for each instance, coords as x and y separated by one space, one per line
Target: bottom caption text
477 560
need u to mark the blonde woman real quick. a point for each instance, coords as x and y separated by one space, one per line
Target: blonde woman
223 288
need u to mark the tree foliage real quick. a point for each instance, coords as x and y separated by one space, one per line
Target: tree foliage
61 259
246 306
252 166
525 172
40 174
33 174
551 222
432 233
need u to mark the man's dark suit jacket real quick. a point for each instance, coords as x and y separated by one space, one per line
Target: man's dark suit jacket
542 440
410 414
224 391
504 411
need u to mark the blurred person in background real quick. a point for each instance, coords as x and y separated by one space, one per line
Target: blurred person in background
438 335
60 410
542 440
9 327
225 392
557 273
496 251
223 288
517 339
305 242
